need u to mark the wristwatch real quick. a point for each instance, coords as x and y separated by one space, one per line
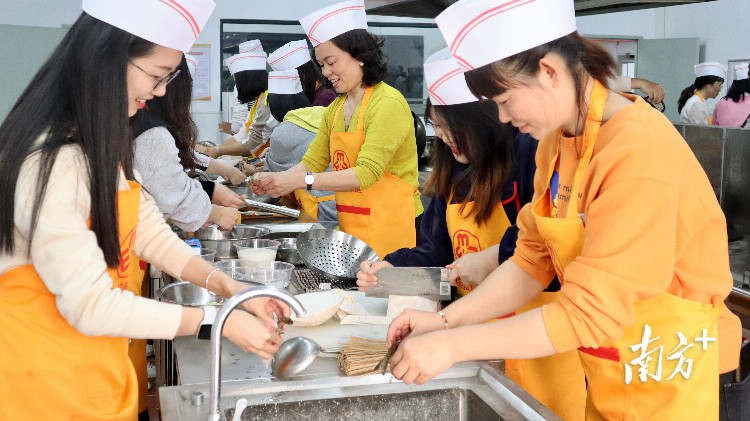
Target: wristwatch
209 314
309 180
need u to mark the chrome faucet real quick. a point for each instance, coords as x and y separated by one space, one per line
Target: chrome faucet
218 327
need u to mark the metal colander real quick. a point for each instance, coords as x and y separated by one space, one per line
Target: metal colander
333 254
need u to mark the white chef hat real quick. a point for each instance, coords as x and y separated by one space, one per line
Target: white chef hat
246 61
253 45
710 68
334 20
170 23
192 63
740 71
284 82
445 79
479 32
290 56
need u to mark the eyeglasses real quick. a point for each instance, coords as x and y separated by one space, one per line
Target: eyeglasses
159 81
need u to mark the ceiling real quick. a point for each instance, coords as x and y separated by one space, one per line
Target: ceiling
431 8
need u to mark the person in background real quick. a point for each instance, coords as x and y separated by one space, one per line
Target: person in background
239 110
734 109
294 55
290 139
367 135
637 242
74 225
165 135
482 174
708 82
249 71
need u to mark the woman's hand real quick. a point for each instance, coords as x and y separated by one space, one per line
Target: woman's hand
412 323
472 268
226 127
421 358
653 90
366 276
231 173
222 216
264 308
250 169
277 184
225 197
252 334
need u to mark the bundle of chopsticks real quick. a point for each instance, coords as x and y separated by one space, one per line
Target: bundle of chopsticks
364 356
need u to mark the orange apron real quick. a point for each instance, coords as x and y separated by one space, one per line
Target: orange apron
612 393
555 381
383 214
51 371
251 117
468 237
308 203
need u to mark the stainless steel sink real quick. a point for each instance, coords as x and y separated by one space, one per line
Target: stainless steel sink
468 391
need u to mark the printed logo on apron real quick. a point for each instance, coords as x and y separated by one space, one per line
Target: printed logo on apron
465 242
340 161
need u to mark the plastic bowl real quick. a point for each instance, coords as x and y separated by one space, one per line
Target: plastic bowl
208 254
283 269
257 250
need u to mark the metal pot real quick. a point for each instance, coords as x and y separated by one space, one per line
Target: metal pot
224 242
288 252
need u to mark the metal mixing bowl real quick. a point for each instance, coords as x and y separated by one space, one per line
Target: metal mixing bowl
288 252
187 294
224 242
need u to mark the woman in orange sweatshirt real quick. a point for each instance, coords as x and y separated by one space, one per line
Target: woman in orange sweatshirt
622 213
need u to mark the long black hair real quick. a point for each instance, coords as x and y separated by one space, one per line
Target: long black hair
738 90
280 104
78 96
485 142
699 83
310 78
250 84
173 111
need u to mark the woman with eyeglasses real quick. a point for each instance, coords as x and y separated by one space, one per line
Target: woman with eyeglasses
74 224
708 82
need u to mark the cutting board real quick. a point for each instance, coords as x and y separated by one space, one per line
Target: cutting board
332 335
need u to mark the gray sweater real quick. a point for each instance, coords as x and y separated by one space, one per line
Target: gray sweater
288 145
181 199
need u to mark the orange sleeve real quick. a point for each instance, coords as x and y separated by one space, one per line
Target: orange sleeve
653 225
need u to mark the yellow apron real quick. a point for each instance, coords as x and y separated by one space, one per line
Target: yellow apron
251 117
468 237
308 203
612 395
710 117
555 381
382 215
51 371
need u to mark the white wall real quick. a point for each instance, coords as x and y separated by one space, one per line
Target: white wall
722 26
